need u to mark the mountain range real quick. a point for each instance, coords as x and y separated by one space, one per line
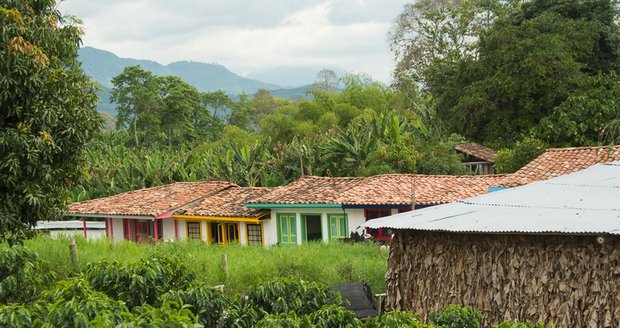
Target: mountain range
103 65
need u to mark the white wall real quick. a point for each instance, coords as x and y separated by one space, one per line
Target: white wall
354 215
167 225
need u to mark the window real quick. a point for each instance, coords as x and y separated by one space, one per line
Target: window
193 230
378 234
255 234
287 229
338 226
232 230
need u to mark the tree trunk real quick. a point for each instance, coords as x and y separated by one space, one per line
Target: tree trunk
135 130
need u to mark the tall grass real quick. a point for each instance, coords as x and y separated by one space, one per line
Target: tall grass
326 263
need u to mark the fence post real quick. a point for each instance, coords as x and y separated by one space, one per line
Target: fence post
74 251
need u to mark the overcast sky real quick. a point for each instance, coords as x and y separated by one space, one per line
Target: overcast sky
245 36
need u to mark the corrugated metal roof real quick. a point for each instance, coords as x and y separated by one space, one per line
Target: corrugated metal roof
68 225
583 202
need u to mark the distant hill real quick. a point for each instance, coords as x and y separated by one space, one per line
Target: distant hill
103 65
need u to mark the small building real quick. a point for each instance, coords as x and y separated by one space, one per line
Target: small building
92 230
547 251
145 214
479 159
327 208
222 218
555 162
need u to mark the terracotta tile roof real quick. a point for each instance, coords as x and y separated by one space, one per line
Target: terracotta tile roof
478 151
228 203
149 201
387 189
559 161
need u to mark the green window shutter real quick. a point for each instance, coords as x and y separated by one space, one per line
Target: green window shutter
293 230
304 235
333 228
278 220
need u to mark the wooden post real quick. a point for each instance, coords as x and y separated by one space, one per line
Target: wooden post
84 225
155 230
73 251
176 229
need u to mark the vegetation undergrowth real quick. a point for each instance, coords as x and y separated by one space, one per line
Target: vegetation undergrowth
247 266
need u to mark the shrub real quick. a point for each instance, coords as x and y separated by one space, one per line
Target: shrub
396 319
333 316
208 304
523 152
240 313
21 276
169 314
75 303
15 316
139 282
285 295
280 321
456 316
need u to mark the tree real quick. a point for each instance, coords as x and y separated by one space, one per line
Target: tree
326 80
531 58
135 93
429 30
47 112
182 111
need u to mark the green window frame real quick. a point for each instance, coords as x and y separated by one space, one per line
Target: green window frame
338 226
287 228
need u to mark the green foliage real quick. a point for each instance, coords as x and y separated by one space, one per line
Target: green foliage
332 315
75 303
248 266
169 315
161 109
495 69
456 316
46 112
284 295
284 320
396 319
584 118
207 304
139 282
16 316
21 275
523 152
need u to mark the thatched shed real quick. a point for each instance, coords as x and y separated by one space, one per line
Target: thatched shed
548 251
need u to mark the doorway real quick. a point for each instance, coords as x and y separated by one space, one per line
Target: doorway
311 223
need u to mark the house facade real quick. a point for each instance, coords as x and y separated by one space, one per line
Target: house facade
310 209
313 209
548 251
222 219
145 214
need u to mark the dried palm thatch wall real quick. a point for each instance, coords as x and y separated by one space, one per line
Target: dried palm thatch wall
571 281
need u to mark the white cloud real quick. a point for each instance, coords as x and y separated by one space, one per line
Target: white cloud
245 36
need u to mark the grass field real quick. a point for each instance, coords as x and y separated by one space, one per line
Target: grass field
326 263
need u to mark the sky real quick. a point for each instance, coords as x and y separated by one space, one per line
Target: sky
246 36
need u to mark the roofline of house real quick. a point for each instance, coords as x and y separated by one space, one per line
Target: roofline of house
511 233
111 216
217 218
268 206
375 206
